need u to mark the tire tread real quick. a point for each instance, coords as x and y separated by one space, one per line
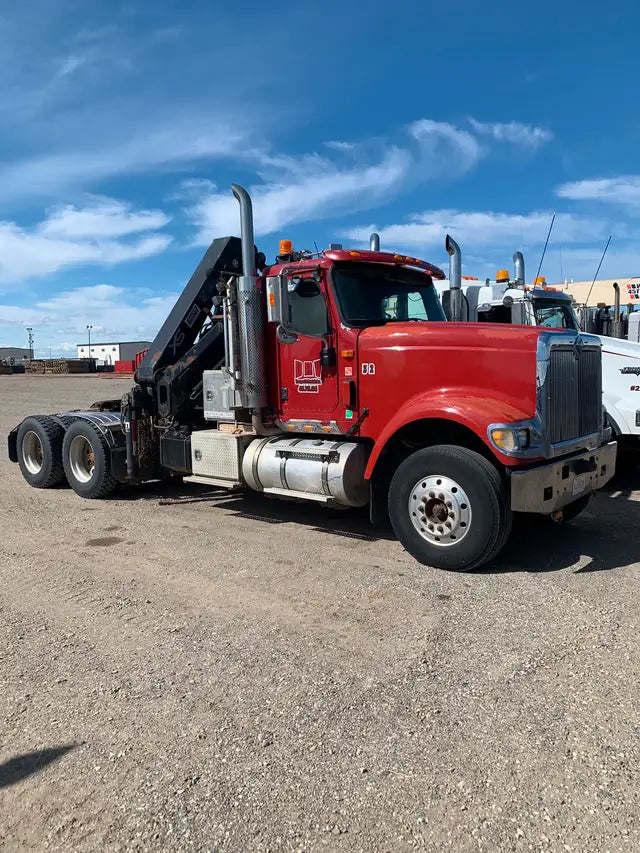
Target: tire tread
54 434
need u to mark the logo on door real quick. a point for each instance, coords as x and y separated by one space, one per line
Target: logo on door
307 376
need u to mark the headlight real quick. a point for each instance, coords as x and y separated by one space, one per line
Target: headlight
511 439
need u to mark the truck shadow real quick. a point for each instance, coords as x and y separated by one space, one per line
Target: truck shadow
598 540
348 523
22 766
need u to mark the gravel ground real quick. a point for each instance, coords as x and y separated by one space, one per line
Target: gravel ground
244 675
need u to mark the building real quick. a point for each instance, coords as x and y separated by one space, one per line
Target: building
18 353
109 353
603 291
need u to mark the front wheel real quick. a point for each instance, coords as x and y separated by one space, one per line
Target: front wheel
87 461
449 508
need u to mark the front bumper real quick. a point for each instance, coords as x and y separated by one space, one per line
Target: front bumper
547 488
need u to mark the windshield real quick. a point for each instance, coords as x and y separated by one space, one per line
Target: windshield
554 315
375 294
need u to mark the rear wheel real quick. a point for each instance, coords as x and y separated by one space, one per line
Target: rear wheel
449 508
39 445
87 461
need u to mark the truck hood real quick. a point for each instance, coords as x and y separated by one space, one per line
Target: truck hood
453 360
454 336
617 346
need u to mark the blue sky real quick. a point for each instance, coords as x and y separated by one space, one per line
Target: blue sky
123 125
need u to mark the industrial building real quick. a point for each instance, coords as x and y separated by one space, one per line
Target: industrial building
18 353
112 351
603 291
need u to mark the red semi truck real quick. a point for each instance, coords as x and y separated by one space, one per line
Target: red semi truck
334 377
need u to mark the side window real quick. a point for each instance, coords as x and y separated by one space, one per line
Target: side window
406 306
308 310
415 307
495 314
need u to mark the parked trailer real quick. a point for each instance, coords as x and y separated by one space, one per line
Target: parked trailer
306 379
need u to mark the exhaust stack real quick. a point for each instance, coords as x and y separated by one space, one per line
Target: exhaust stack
518 265
374 242
253 388
455 278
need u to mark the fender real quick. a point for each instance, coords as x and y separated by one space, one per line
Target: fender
109 424
475 413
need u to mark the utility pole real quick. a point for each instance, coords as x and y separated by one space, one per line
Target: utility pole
89 331
30 330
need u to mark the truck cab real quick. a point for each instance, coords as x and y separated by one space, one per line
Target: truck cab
333 377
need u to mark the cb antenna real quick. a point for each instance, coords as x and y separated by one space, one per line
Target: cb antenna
546 243
598 270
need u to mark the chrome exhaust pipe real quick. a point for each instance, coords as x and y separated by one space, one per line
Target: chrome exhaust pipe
374 242
455 278
518 264
253 387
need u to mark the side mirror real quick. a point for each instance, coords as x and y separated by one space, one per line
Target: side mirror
518 315
277 298
327 356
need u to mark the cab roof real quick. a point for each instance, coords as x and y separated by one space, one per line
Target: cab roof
384 258
361 256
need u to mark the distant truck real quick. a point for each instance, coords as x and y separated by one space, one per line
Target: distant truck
308 379
510 301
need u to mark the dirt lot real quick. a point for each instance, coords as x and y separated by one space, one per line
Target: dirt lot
246 675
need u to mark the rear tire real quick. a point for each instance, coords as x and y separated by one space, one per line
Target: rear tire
39 445
449 508
87 461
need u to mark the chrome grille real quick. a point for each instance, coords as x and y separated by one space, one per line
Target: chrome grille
573 392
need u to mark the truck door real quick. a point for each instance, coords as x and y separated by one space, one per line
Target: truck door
308 389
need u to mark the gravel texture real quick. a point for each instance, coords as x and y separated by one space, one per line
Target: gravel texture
238 674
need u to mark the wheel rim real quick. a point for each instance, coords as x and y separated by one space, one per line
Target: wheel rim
81 459
32 452
440 510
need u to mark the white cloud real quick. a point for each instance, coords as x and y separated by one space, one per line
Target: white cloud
623 190
164 147
316 191
106 232
482 228
442 141
114 312
336 145
106 218
358 177
514 132
70 64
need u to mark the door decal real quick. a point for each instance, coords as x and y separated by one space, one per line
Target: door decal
307 376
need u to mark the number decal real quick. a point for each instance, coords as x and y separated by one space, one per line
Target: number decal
368 369
635 388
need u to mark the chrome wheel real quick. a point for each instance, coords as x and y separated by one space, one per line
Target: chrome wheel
440 510
32 452
81 459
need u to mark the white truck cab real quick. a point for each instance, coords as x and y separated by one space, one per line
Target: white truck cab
507 301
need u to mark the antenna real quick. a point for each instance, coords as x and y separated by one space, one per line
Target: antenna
553 219
586 302
317 249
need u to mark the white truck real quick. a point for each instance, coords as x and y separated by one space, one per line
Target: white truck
510 301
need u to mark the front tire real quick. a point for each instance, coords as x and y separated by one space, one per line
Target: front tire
87 461
39 444
449 508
